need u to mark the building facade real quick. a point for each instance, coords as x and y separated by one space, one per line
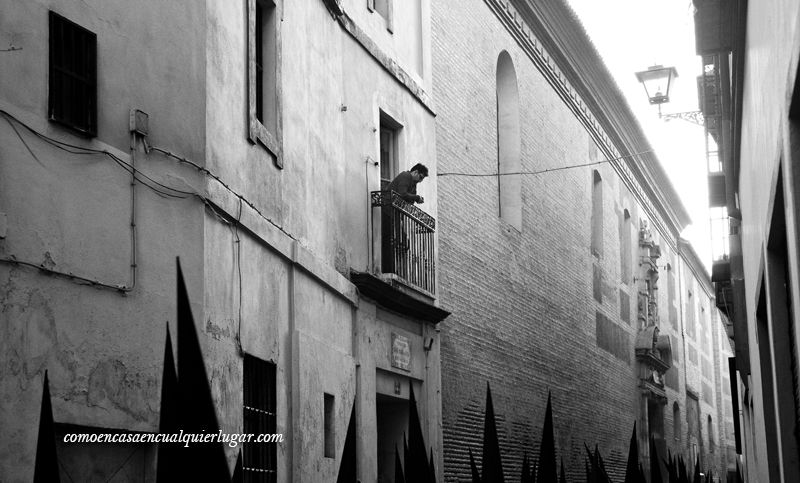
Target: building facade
560 255
749 92
247 139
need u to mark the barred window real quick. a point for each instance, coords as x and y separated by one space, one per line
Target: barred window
72 99
259 462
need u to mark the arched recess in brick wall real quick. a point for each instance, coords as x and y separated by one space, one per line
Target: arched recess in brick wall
508 141
625 247
676 421
710 431
597 214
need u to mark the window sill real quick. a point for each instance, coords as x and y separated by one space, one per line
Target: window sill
88 134
260 135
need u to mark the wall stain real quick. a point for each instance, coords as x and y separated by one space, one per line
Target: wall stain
27 332
216 331
340 261
111 383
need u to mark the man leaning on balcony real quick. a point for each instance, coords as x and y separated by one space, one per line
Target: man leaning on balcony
394 239
405 183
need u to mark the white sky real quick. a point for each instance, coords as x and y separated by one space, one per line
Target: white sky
632 35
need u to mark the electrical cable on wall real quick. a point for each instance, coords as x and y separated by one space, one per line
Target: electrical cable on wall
12 260
218 180
238 243
559 168
159 188
137 175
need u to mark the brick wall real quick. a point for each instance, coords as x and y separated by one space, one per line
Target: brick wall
524 307
533 310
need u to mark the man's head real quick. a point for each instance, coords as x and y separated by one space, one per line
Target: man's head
419 172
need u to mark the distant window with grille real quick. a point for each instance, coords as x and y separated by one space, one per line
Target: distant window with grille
72 99
259 460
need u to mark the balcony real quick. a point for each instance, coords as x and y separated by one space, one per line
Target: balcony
713 24
406 241
717 196
724 298
404 275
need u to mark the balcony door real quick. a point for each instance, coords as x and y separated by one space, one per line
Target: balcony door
389 149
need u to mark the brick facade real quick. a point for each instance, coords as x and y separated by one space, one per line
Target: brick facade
537 309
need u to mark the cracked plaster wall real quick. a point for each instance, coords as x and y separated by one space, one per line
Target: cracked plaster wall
71 213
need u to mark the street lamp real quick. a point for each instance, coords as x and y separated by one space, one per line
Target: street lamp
657 80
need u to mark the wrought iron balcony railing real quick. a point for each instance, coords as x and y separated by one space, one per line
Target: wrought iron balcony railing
407 243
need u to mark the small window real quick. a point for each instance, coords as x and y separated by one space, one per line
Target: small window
259 460
72 99
329 426
263 76
384 8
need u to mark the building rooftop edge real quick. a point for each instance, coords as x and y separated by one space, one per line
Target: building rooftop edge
566 40
688 253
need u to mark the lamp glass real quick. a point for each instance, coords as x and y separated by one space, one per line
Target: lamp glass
656 81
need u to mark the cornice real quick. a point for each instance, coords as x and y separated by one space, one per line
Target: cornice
689 255
555 41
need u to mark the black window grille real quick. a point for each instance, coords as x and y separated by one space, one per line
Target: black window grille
73 76
259 459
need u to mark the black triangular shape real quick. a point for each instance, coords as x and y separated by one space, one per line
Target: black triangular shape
199 461
601 465
237 470
547 471
476 475
348 466
526 469
398 467
492 463
592 470
655 463
589 475
45 469
417 466
169 460
632 467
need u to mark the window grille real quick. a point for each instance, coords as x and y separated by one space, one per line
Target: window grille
259 462
72 98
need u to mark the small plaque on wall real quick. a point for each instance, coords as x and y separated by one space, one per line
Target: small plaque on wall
401 352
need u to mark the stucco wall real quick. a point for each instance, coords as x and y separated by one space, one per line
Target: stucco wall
332 90
771 52
274 287
71 213
767 91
